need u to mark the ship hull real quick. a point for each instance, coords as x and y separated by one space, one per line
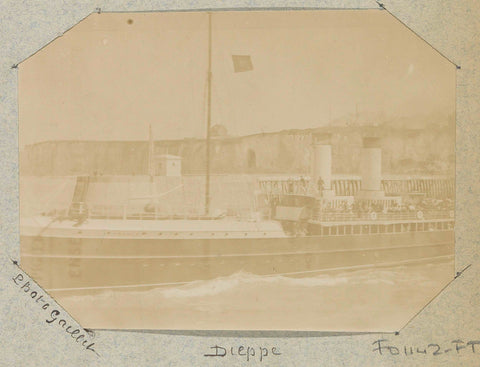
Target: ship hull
76 265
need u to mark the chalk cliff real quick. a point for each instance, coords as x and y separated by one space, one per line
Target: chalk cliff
405 150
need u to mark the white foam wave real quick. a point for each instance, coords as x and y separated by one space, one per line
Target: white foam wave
239 279
246 281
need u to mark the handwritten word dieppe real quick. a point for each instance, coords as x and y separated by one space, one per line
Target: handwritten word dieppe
54 317
383 347
246 352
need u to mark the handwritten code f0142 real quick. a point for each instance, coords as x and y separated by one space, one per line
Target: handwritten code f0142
458 346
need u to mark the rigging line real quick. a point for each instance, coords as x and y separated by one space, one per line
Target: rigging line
156 196
43 229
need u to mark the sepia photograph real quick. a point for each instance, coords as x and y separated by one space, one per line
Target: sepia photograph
238 170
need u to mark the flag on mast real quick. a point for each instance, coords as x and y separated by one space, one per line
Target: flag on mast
242 63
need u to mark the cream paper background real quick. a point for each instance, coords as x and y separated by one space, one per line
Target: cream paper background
25 338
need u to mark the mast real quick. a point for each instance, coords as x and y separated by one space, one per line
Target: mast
209 116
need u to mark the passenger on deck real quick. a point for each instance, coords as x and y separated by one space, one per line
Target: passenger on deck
291 186
320 186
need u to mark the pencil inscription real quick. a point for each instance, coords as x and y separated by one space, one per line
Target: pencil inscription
247 352
55 316
385 348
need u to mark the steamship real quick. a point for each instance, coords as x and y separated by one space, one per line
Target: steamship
290 232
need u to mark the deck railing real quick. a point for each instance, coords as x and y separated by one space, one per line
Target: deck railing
389 216
79 210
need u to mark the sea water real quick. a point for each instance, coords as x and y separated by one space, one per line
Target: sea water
377 299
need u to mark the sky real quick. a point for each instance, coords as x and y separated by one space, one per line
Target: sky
114 74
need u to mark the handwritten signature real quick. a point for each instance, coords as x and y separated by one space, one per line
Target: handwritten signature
55 317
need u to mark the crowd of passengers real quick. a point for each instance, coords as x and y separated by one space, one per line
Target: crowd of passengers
407 206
